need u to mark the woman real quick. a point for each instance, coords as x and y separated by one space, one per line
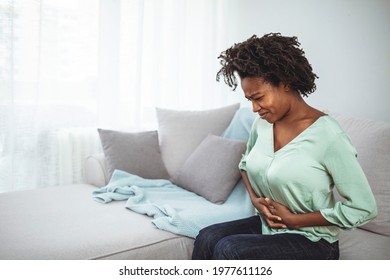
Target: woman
295 156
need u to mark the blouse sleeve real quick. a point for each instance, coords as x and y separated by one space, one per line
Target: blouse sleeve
358 206
251 142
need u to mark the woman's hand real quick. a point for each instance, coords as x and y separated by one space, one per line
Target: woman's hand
271 211
275 214
281 211
279 216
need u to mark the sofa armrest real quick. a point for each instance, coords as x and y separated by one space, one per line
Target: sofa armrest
95 170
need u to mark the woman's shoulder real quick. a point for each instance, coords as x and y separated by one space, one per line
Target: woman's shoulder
333 134
331 125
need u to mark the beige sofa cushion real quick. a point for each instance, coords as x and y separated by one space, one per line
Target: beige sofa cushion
77 227
361 244
372 142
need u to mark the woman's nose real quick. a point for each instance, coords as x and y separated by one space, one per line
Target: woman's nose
255 107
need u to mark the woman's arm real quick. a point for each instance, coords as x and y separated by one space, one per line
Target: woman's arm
295 221
278 215
248 186
261 205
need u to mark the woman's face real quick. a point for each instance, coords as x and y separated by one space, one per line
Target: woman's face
270 102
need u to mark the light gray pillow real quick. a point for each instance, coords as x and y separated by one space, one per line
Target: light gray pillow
137 153
180 132
212 171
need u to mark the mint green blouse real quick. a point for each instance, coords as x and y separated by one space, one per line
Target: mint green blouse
302 174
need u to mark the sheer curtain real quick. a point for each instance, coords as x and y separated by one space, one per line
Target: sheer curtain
70 66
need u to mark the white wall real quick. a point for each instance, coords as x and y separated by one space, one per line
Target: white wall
346 41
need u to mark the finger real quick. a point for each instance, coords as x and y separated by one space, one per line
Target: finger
270 213
264 210
263 202
272 217
279 226
269 203
274 224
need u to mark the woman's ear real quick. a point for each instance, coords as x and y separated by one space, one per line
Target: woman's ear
285 87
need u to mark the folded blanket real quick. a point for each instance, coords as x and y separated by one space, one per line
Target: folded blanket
173 208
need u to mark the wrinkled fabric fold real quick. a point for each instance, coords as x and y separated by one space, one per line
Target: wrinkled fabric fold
173 208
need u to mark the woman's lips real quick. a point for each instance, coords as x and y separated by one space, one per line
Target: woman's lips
263 115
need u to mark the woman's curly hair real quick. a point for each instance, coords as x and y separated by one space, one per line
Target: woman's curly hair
274 58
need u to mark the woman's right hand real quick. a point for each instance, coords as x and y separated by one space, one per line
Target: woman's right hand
263 207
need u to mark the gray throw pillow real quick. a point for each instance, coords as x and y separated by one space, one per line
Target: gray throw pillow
211 171
137 153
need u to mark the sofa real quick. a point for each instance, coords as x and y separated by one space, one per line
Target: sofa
147 194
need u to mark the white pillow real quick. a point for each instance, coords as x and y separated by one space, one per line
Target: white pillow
180 132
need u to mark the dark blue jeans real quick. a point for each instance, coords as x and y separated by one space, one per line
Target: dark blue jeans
242 240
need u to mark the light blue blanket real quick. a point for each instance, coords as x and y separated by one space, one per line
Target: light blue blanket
173 208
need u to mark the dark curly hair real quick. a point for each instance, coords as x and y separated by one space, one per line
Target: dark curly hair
274 58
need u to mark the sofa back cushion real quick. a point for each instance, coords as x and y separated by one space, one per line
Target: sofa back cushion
372 142
241 124
180 132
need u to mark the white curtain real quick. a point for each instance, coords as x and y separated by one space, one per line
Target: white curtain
70 66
